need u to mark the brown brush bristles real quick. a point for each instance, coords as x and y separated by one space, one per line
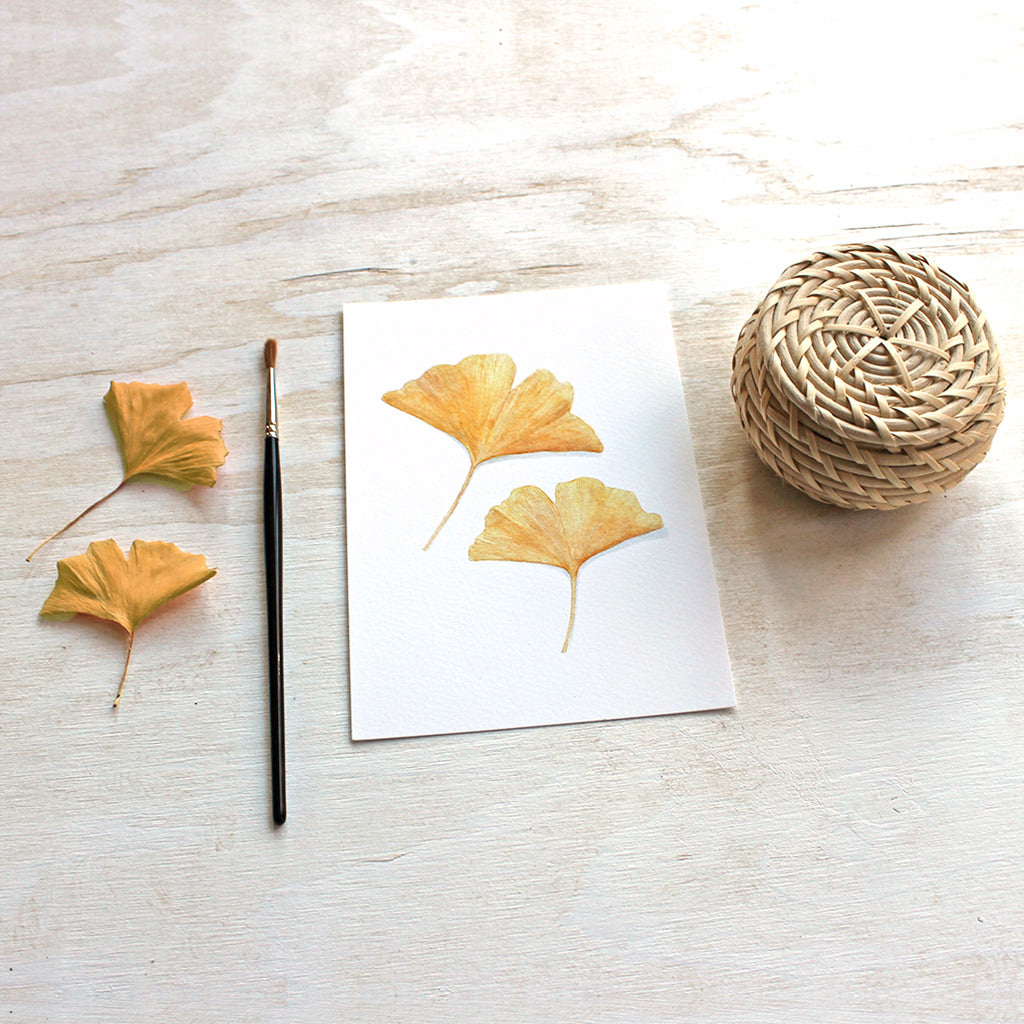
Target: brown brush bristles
270 353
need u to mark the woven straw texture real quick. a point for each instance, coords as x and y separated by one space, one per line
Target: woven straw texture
868 378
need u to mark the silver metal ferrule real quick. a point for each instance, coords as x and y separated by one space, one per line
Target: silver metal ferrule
271 403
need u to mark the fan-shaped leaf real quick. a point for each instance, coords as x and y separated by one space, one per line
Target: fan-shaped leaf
155 441
106 584
585 519
475 402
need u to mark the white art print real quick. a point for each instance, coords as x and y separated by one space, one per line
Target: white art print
526 542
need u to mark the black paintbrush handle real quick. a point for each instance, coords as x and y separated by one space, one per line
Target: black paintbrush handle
275 627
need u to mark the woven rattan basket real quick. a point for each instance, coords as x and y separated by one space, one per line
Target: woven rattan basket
868 378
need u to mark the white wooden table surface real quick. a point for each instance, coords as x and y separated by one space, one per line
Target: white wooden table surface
182 180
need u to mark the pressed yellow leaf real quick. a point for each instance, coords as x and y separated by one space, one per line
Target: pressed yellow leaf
107 584
585 519
475 402
155 441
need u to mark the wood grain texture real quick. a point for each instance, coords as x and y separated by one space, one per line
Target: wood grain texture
182 181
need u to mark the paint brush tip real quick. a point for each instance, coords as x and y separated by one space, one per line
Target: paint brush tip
270 353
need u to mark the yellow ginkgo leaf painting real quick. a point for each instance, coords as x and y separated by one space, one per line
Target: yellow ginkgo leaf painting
477 402
573 581
586 518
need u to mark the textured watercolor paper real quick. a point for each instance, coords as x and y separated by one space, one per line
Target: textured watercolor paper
439 643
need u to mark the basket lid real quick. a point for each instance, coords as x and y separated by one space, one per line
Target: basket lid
877 347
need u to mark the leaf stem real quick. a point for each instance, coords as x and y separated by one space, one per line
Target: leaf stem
572 610
75 520
447 515
124 674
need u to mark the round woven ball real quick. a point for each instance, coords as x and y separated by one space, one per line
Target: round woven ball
868 378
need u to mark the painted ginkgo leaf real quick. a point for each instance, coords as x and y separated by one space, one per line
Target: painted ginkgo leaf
107 584
156 442
475 402
585 519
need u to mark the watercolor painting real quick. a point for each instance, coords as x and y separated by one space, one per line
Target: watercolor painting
570 579
476 403
585 519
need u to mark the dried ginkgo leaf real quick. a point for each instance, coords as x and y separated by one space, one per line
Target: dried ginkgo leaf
106 584
474 401
585 519
156 442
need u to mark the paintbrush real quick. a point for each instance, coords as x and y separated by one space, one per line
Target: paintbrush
272 549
